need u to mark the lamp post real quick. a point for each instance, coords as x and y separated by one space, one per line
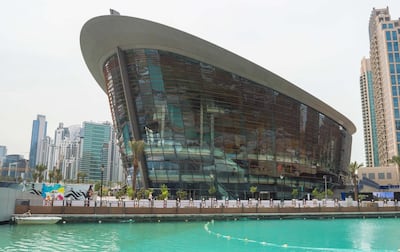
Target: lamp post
101 185
325 187
283 197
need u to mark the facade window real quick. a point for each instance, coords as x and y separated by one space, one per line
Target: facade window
391 67
394 90
393 79
397 125
397 57
371 176
391 60
381 175
398 136
390 26
394 35
395 102
388 175
396 46
388 36
364 175
398 68
389 47
384 26
396 115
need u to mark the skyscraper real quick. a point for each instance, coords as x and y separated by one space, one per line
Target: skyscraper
96 149
3 154
39 128
385 69
369 120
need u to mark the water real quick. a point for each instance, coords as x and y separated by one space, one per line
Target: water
241 235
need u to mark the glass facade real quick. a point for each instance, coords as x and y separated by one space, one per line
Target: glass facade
95 149
205 127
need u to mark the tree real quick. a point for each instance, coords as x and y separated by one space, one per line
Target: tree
80 175
35 177
51 175
253 190
164 192
316 194
181 194
212 190
83 176
295 193
137 150
57 175
39 169
353 167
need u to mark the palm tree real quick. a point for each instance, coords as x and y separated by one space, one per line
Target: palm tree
57 175
80 175
353 167
51 175
137 150
39 169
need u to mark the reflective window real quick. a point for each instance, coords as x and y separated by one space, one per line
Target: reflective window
381 175
397 124
388 36
390 55
397 57
394 90
389 46
371 176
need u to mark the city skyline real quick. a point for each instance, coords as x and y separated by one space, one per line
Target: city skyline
323 60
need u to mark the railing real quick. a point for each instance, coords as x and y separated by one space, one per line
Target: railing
213 203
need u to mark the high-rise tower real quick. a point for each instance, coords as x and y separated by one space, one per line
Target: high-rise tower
369 119
95 149
39 128
385 68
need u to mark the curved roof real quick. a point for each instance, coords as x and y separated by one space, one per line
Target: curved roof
101 36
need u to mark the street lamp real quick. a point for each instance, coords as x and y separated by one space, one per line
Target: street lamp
325 187
283 197
101 185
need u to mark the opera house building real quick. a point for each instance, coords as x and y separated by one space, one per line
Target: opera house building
213 122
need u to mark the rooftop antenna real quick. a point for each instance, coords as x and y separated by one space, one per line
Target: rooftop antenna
114 12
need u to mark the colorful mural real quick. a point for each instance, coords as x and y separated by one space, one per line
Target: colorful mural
53 191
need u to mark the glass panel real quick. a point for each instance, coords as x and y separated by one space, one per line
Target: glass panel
388 36
389 46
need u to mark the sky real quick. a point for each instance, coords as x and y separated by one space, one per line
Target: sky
315 44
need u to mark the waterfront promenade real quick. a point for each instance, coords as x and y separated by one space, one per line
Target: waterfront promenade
199 210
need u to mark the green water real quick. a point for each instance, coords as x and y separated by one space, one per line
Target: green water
241 235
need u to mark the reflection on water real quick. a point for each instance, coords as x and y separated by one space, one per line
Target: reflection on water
241 235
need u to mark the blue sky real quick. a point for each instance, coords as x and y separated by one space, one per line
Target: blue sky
315 44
